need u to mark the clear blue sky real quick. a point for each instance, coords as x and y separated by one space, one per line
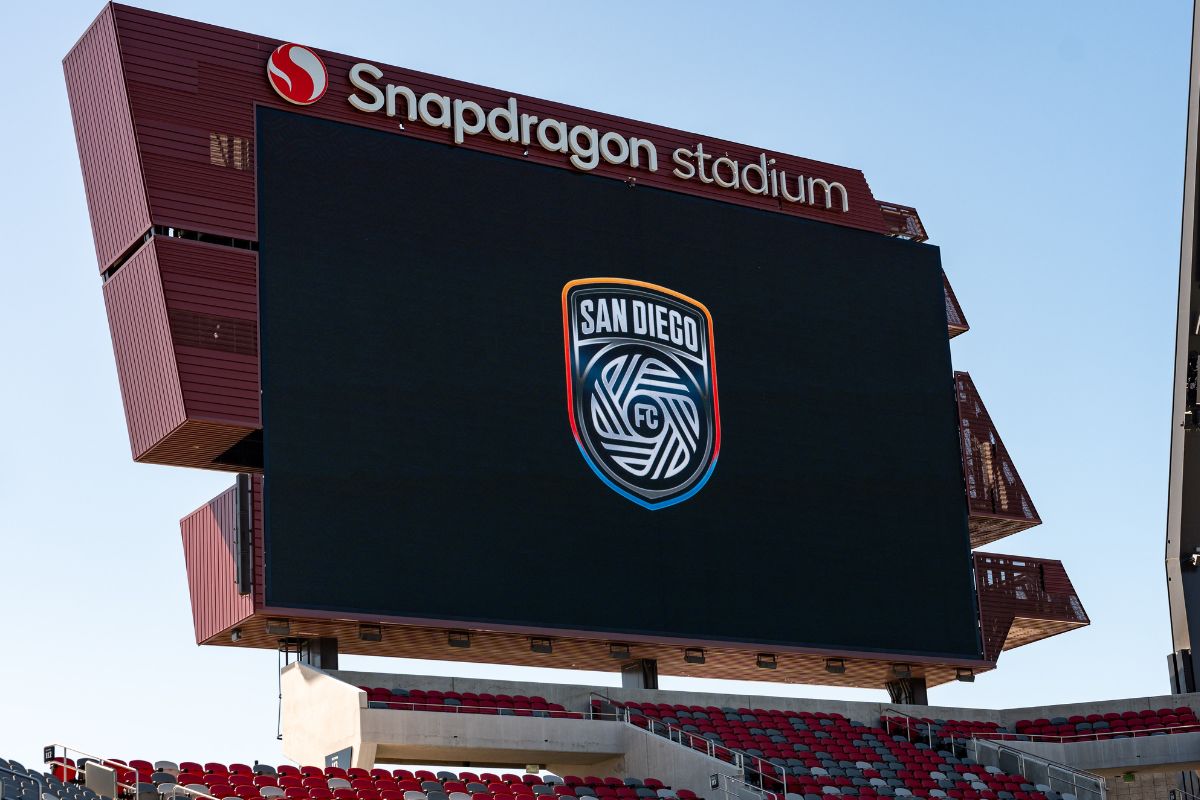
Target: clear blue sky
1042 142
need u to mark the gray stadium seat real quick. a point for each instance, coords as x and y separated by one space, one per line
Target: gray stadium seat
446 776
270 791
264 769
477 788
461 796
413 794
430 786
537 789
166 766
342 783
549 780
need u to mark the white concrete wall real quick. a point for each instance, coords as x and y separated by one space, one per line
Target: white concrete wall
1175 752
321 715
1011 715
576 697
590 747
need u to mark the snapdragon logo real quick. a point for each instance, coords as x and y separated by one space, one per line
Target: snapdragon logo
585 147
297 74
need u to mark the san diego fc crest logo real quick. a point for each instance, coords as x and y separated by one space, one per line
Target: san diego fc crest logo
642 387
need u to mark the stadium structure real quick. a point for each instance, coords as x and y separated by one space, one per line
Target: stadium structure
440 331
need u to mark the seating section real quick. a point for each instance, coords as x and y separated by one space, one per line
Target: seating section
19 783
245 782
466 703
919 729
826 754
1112 725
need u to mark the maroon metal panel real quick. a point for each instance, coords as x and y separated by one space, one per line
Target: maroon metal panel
108 154
141 335
997 501
193 88
956 322
1022 600
210 553
212 303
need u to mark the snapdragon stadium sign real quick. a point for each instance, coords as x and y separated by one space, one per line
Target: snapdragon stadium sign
299 76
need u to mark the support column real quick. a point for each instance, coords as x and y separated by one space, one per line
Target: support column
640 674
320 653
908 691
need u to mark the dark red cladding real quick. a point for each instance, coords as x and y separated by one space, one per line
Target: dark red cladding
184 322
1022 600
997 500
108 152
209 552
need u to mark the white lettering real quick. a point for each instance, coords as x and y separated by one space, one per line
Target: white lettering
585 311
606 151
410 101
442 120
509 116
691 339
731 183
461 126
586 146
559 145
585 154
639 317
357 81
686 169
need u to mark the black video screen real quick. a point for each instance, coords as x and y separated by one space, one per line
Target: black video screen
500 393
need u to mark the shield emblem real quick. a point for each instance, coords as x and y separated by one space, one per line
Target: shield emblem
642 387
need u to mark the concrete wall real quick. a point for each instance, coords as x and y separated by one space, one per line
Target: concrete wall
576 697
321 715
1011 715
1144 786
594 747
1114 757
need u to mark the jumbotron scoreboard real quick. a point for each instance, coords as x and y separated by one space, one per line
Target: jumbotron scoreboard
513 381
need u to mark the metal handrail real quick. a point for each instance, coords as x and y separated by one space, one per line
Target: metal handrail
1096 736
887 723
718 779
73 765
411 705
738 758
1096 790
